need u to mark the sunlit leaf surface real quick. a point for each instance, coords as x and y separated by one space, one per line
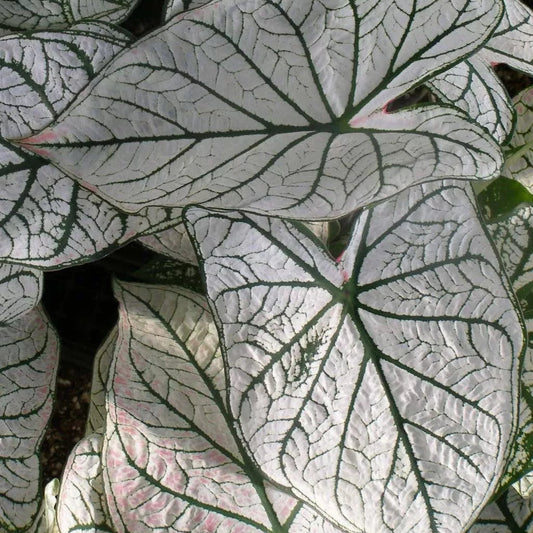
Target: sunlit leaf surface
383 388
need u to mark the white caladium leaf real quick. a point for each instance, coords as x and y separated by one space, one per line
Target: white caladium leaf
82 501
383 388
173 242
20 291
509 514
102 363
46 519
175 7
172 459
513 237
519 157
47 219
278 107
42 72
473 86
28 362
512 42
59 14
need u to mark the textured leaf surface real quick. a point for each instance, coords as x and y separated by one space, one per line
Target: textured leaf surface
58 14
173 242
46 519
510 514
519 158
28 361
47 219
20 291
473 86
42 73
172 460
268 107
81 501
512 42
175 7
383 388
102 362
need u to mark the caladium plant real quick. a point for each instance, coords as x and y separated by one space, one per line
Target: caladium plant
387 390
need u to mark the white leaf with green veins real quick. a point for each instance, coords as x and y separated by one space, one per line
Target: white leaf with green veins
278 107
518 163
42 72
172 459
382 389
102 363
20 291
82 501
28 360
513 237
59 14
473 86
175 7
47 219
512 42
509 514
46 519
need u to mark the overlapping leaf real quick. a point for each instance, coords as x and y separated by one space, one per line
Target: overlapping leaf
512 42
519 159
81 501
268 106
509 514
473 87
28 360
42 72
513 237
382 389
173 462
102 363
47 219
175 7
59 14
20 291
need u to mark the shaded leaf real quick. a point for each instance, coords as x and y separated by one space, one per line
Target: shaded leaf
58 14
28 360
277 107
81 501
173 462
20 291
473 86
42 72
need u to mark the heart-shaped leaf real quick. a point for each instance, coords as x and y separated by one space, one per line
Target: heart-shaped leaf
28 361
42 72
473 86
20 291
172 459
277 107
382 389
58 14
